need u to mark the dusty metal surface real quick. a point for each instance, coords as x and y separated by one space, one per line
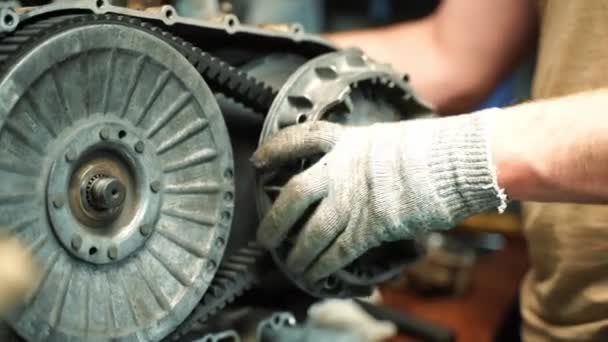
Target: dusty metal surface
144 119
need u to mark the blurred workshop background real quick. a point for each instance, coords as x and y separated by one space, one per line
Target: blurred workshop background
469 281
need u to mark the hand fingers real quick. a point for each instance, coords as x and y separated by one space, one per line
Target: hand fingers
296 142
349 245
296 196
320 230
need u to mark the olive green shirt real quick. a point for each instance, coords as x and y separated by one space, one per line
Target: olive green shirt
565 293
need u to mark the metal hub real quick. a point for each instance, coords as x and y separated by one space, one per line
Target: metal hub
104 193
108 192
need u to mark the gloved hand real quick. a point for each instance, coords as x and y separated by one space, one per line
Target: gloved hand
378 183
18 273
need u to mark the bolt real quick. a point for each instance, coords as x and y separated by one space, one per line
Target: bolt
70 155
145 230
57 201
139 147
155 186
76 242
104 134
112 252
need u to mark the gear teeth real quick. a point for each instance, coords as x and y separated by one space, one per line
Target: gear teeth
235 275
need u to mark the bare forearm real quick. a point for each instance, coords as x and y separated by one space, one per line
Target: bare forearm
554 150
456 55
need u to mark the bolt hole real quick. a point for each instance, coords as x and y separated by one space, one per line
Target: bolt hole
301 118
229 196
231 22
9 20
169 14
277 320
226 215
93 251
99 3
228 174
122 134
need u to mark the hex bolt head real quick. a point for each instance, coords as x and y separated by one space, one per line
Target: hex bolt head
104 134
76 242
58 202
112 252
70 155
145 229
139 146
155 186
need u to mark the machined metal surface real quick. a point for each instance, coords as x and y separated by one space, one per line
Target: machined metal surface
281 326
326 86
9 19
109 196
167 15
268 328
224 336
117 172
346 87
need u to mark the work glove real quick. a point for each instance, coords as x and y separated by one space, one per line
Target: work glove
18 274
374 184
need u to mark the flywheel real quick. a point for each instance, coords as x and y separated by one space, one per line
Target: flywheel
116 170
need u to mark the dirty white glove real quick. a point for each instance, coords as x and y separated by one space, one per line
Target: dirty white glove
18 274
377 183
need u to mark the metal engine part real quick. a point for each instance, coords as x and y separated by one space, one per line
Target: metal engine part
281 326
125 139
106 189
224 336
349 88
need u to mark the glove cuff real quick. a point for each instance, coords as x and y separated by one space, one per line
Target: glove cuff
461 168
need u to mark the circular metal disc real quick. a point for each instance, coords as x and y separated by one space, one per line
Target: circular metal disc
113 91
349 88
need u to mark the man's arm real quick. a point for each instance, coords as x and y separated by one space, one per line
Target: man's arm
391 181
456 55
554 150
